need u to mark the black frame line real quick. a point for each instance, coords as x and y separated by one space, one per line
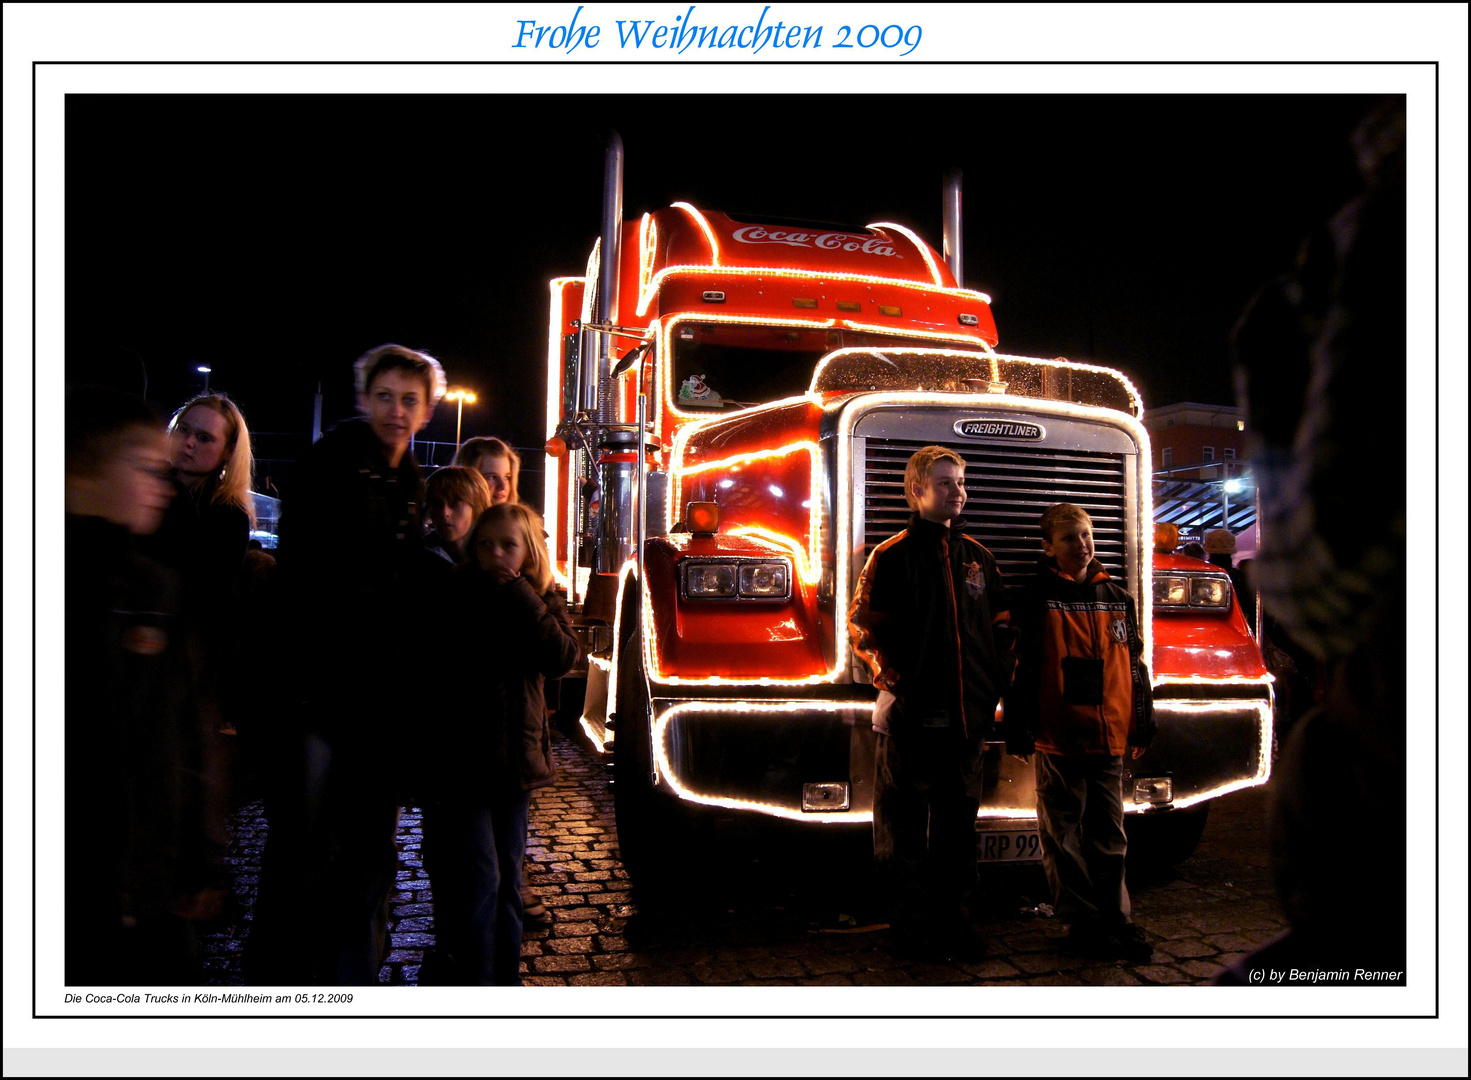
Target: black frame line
36 64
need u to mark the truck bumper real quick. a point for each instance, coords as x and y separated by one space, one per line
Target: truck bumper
761 756
812 761
1206 748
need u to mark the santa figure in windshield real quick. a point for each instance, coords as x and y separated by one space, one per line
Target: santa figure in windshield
695 392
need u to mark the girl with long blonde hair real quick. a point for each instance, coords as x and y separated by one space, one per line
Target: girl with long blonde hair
489 743
497 461
211 452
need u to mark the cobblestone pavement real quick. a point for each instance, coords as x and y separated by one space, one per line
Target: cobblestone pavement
773 905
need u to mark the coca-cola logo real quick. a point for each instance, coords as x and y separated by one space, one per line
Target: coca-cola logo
831 241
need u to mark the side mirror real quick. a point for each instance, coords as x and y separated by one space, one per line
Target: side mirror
633 356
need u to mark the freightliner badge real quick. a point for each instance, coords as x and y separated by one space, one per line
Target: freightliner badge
999 429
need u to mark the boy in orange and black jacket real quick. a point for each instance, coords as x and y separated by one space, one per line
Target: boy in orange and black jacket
929 618
1081 701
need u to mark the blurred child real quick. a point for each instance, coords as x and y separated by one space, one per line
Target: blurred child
142 833
490 743
1081 702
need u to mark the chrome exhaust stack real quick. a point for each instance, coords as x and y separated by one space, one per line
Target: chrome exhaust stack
608 274
617 442
950 212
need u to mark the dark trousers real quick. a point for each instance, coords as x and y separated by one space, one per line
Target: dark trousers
473 853
1080 810
112 935
927 789
331 860
157 950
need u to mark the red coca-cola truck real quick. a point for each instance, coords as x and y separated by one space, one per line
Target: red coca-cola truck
730 405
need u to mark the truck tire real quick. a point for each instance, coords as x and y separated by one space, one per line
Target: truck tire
635 803
1166 839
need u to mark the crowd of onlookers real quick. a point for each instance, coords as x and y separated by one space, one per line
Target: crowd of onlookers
170 605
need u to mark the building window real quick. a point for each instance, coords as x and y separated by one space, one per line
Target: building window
1166 457
1207 453
1228 453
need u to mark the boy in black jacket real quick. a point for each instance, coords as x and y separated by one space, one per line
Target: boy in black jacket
352 568
929 617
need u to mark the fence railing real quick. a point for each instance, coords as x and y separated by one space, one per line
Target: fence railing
285 447
435 455
276 451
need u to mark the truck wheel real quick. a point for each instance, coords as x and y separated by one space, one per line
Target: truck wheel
1167 839
634 800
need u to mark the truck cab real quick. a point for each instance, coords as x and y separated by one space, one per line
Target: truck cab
731 418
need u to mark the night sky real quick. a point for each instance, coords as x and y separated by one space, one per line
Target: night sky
277 237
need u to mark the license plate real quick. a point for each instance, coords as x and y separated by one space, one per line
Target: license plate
1009 845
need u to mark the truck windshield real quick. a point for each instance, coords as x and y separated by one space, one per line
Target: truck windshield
736 365
957 371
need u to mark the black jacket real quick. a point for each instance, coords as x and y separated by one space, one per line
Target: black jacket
204 541
351 526
351 566
487 728
930 605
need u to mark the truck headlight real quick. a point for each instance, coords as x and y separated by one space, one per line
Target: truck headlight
737 579
1171 591
1210 592
1191 591
767 580
710 580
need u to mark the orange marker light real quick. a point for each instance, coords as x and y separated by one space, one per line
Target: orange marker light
1166 537
702 517
557 446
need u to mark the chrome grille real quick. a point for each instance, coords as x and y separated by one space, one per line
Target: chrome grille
1007 488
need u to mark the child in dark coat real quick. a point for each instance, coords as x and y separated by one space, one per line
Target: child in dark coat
455 498
491 746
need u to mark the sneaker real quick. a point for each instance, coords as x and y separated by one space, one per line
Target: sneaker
1131 944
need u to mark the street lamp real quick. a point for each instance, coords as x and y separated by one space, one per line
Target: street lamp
460 398
1228 488
204 370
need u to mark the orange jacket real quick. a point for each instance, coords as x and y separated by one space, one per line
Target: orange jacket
1081 685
